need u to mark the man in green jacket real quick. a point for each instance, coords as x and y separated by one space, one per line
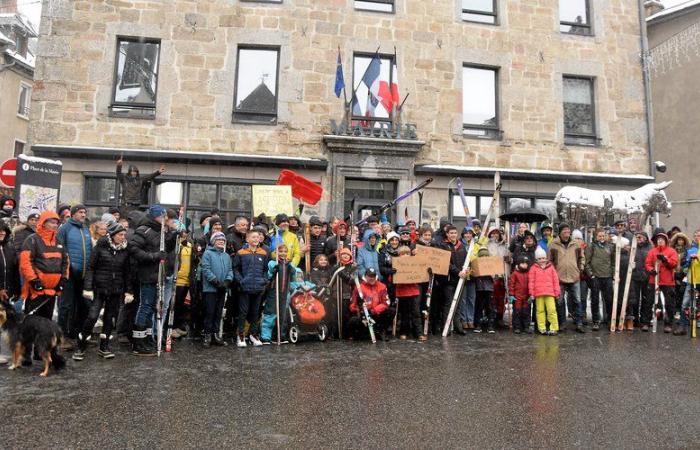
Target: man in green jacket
599 267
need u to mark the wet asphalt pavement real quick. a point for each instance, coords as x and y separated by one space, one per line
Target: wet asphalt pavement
485 391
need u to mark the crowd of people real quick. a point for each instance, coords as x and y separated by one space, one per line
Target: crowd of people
235 282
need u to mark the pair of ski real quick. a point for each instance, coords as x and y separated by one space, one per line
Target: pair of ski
618 324
467 262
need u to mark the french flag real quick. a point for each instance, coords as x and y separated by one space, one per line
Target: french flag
389 95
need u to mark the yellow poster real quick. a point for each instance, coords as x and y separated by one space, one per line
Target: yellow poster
272 200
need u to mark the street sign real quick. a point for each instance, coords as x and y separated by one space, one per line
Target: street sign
8 172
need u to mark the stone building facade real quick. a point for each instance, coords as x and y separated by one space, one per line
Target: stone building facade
674 37
529 49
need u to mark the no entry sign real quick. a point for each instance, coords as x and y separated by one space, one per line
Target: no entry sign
8 172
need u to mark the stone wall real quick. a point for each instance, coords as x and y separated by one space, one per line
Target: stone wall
198 60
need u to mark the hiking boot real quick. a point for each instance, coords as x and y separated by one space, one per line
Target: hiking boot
207 340
104 351
142 349
216 340
580 329
629 325
79 355
240 341
595 326
491 330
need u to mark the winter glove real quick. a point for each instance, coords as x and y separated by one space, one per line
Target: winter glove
89 295
530 300
653 273
128 298
680 276
159 256
511 299
275 271
216 283
36 284
661 258
227 284
61 285
392 271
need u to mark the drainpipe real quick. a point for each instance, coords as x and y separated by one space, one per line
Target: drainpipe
647 88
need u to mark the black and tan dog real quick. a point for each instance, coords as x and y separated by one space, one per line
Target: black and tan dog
23 332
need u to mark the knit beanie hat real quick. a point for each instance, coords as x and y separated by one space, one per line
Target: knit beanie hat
345 251
540 253
576 234
391 235
217 236
114 228
156 211
77 208
108 219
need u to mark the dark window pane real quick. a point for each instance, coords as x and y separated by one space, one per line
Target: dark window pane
100 190
23 103
19 148
376 5
479 98
256 85
364 104
202 194
236 197
137 73
578 106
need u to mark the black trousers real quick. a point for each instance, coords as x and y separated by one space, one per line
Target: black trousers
127 313
410 316
358 330
522 317
181 309
214 304
638 296
249 310
448 291
484 314
110 302
669 294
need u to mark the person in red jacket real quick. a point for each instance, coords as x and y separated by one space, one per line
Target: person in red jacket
408 299
518 295
543 286
376 298
661 260
43 264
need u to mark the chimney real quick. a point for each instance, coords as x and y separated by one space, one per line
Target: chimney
651 7
8 6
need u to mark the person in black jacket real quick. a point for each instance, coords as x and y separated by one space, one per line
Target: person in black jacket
133 186
317 241
145 249
340 236
106 283
21 232
9 265
640 293
448 283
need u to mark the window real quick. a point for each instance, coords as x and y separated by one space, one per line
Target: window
481 11
547 206
579 111
375 5
21 44
19 148
135 78
256 85
574 17
479 102
100 191
169 193
364 103
25 93
480 203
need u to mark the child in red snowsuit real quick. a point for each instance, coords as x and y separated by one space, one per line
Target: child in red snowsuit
376 299
662 259
518 295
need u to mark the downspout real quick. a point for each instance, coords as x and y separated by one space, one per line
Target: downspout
647 87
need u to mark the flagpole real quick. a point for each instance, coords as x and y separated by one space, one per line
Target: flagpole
376 54
394 112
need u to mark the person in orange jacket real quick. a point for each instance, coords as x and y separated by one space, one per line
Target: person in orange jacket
376 298
44 266
663 260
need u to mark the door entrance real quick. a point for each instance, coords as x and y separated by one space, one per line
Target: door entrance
370 196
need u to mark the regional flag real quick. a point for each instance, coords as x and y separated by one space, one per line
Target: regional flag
339 79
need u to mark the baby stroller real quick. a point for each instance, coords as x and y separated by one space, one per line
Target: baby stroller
307 314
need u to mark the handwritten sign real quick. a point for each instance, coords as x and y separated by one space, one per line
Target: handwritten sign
272 200
414 269
437 259
488 266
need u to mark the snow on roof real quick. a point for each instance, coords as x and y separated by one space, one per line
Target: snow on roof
673 9
533 171
28 60
5 40
36 159
20 20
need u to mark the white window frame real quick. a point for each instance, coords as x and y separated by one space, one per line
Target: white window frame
28 99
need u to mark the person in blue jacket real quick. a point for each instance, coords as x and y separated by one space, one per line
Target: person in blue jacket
217 275
74 235
547 233
367 255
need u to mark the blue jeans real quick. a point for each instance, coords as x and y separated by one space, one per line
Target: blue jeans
147 306
570 292
467 302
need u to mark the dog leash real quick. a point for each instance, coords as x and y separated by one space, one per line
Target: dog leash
38 307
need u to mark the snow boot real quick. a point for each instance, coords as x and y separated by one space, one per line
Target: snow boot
141 347
216 340
79 353
105 351
596 326
629 325
207 340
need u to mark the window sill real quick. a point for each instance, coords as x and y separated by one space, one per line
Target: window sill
489 134
596 144
132 112
253 122
566 33
373 11
474 22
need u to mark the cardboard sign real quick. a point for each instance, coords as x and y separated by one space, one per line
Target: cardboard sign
488 266
437 259
414 269
409 269
272 200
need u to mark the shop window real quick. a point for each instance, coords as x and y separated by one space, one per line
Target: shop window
135 78
25 93
100 191
19 148
574 17
238 198
458 208
480 102
370 70
256 85
169 193
579 111
480 11
547 206
375 5
202 194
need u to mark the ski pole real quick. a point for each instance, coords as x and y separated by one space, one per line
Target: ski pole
428 298
368 318
693 302
654 318
223 314
396 316
277 305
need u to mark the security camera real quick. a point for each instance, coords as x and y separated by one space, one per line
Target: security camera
660 166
